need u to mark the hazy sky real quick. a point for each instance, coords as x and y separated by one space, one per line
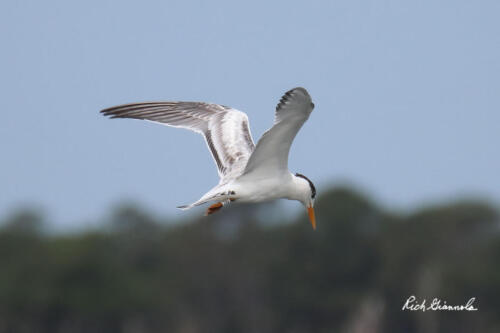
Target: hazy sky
407 97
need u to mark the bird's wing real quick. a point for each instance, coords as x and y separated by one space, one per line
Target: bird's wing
225 130
271 153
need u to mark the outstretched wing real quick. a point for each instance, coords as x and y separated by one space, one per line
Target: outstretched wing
271 153
225 130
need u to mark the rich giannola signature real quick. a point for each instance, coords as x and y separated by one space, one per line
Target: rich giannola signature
412 304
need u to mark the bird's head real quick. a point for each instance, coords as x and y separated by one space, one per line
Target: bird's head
307 195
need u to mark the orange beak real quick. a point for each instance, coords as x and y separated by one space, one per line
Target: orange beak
310 212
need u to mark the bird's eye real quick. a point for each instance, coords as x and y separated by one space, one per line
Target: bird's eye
312 105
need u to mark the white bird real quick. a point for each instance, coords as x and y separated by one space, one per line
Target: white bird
248 172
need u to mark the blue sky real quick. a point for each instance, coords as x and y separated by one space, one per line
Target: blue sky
407 97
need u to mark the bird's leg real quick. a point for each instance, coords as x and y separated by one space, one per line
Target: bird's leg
214 208
229 199
217 206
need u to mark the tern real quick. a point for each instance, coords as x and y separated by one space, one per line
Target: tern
248 172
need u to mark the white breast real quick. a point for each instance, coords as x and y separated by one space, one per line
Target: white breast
249 189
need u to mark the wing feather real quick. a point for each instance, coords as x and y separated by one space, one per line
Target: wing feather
226 130
270 156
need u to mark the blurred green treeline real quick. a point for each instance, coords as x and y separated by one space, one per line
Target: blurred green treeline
232 272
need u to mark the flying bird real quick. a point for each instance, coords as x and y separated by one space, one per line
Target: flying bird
248 172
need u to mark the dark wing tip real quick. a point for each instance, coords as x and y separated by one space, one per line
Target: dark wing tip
110 112
132 110
290 94
301 89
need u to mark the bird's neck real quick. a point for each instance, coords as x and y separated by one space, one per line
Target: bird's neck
298 188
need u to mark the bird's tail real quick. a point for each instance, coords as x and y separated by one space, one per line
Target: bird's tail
214 194
194 204
185 207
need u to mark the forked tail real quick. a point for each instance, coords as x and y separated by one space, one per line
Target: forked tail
222 198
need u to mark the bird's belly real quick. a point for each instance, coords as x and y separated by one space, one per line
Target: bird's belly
260 190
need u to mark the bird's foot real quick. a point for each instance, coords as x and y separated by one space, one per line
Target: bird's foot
217 206
214 208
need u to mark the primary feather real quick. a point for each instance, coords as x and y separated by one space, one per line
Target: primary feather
225 129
